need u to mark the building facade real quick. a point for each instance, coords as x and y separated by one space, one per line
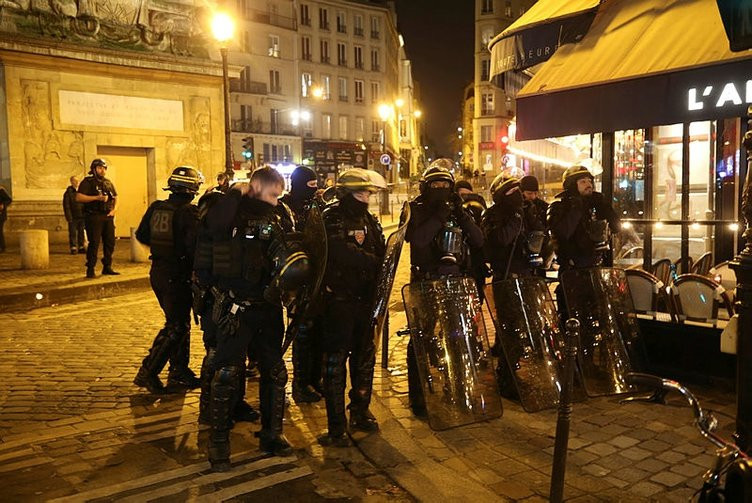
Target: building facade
493 98
78 81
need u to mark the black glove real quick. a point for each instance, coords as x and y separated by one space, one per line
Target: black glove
442 212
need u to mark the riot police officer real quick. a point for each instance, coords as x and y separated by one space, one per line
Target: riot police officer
306 347
169 228
440 233
203 303
99 197
580 220
512 231
252 262
356 249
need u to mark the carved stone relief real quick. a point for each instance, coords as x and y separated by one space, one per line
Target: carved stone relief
196 149
50 157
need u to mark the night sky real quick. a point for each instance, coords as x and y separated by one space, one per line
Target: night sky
439 37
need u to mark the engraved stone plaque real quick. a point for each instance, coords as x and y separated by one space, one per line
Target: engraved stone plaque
111 110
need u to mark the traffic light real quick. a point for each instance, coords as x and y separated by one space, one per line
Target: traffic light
248 148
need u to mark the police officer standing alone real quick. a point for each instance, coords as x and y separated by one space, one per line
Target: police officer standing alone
306 348
100 201
169 228
440 233
356 249
250 253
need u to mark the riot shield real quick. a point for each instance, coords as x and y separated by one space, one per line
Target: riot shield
316 246
451 348
610 343
527 327
387 271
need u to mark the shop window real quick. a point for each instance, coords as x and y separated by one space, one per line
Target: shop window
666 155
701 187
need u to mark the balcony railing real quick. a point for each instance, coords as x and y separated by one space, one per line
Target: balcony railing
375 34
375 68
261 127
358 31
259 16
358 65
238 86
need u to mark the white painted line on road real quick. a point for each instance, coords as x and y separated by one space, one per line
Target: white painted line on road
256 485
210 478
156 478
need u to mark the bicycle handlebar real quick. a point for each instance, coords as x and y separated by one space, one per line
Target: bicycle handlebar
705 421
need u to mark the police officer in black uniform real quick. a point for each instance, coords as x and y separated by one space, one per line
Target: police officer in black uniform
100 201
169 228
252 262
440 233
356 250
513 233
580 220
203 304
306 348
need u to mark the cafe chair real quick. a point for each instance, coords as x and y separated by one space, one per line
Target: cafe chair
697 298
662 270
684 267
722 273
703 264
646 291
634 252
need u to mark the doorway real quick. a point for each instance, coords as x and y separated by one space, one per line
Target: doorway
128 170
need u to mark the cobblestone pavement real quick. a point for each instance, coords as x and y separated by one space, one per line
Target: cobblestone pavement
73 425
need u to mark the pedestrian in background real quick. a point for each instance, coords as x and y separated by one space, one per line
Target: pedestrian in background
74 215
5 201
100 201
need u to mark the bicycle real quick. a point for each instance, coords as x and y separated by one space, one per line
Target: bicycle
730 459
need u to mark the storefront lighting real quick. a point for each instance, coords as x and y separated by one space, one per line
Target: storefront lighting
695 226
539 158
626 225
734 227
284 168
623 184
658 225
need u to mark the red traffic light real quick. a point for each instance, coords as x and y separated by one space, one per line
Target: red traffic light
505 140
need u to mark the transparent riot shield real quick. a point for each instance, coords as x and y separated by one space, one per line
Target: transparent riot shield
387 272
527 327
452 352
610 344
316 246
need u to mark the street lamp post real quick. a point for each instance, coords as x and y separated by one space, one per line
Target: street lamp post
385 111
222 28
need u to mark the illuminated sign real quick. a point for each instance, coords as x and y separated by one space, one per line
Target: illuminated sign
719 96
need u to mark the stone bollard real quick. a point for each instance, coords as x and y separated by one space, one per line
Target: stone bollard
139 252
35 249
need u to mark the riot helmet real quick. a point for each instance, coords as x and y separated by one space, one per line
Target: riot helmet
359 179
95 164
572 174
503 191
303 183
438 170
291 271
184 179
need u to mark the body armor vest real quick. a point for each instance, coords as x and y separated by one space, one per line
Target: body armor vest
161 229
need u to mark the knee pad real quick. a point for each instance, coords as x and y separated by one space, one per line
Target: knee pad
279 374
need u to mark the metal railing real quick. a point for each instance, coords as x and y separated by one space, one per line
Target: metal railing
252 87
270 18
261 127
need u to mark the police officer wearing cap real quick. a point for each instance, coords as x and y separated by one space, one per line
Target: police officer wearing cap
306 347
441 233
513 233
252 262
100 201
356 250
169 228
579 221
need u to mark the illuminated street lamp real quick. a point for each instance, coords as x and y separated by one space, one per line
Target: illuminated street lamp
223 27
418 114
317 92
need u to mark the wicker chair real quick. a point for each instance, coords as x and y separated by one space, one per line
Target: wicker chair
662 270
726 276
697 298
645 289
702 266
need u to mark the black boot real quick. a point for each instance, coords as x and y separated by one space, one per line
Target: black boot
271 439
154 363
302 391
360 395
180 375
204 400
108 271
243 411
334 394
224 391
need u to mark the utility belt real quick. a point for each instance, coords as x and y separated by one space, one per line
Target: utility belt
228 307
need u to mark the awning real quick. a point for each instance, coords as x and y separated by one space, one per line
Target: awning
536 35
642 63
